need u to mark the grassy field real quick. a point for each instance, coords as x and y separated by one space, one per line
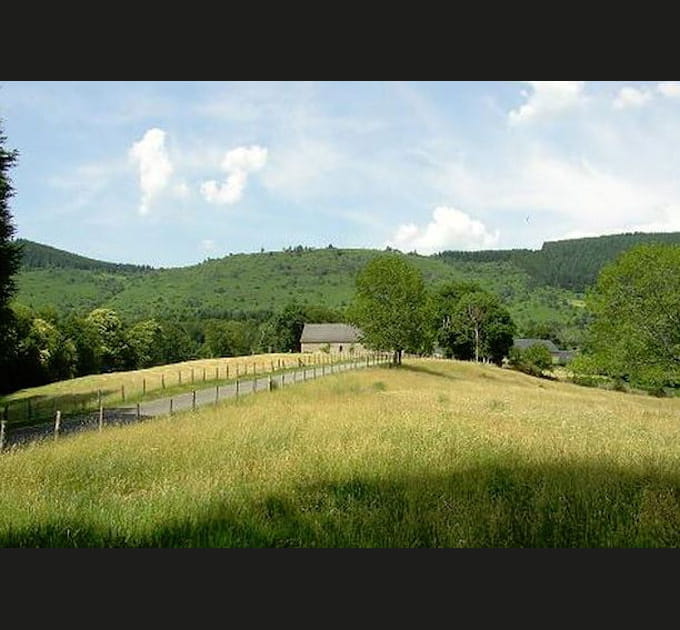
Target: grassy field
80 394
436 454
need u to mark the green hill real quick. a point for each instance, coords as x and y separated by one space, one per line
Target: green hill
39 256
538 286
569 264
244 285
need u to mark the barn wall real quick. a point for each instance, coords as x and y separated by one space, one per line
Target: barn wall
334 347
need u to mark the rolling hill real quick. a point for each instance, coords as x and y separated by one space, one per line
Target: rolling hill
243 285
537 285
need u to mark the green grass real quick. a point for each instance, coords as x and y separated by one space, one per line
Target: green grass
436 454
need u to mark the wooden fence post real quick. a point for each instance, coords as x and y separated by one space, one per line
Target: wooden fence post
227 372
193 400
101 416
162 381
283 379
57 424
171 405
204 375
237 387
3 428
139 414
217 393
269 383
122 392
143 387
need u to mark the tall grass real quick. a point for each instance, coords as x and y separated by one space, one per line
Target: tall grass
82 394
435 454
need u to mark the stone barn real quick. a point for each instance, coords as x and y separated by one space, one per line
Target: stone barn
335 337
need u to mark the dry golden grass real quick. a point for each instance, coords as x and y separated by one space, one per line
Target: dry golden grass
438 453
82 393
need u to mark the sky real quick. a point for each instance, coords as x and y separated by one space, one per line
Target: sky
171 173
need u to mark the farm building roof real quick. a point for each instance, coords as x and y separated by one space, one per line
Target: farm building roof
329 333
523 344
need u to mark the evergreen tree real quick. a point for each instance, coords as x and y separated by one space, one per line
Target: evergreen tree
10 261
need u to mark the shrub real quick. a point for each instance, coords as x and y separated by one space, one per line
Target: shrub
533 360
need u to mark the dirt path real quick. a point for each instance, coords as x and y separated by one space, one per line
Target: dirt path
125 414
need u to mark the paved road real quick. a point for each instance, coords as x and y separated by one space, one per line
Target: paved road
180 402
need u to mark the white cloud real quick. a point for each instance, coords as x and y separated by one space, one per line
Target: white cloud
226 193
449 229
237 163
671 89
155 168
246 159
546 99
631 97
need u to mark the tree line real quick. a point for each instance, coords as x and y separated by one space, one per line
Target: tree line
572 264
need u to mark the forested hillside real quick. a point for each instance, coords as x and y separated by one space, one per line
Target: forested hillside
570 264
39 256
244 286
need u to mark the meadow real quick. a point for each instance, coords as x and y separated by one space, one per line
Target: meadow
76 395
434 454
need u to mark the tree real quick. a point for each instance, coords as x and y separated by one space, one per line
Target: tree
389 305
146 343
533 360
229 339
635 332
482 319
471 323
10 261
114 348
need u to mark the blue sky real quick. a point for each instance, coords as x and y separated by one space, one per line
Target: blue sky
168 174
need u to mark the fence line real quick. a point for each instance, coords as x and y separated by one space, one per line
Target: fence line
185 401
37 409
190 400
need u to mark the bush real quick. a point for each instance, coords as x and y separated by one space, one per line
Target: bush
533 360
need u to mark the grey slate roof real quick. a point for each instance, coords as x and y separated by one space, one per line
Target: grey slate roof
329 333
523 344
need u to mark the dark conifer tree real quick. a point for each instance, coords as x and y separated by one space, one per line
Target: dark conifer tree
10 261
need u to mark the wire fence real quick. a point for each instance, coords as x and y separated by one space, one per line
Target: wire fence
121 388
64 419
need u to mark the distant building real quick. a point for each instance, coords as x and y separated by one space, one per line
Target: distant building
335 337
558 356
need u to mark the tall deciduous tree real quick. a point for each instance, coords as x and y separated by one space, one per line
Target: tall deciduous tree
635 335
471 323
389 305
481 318
10 261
